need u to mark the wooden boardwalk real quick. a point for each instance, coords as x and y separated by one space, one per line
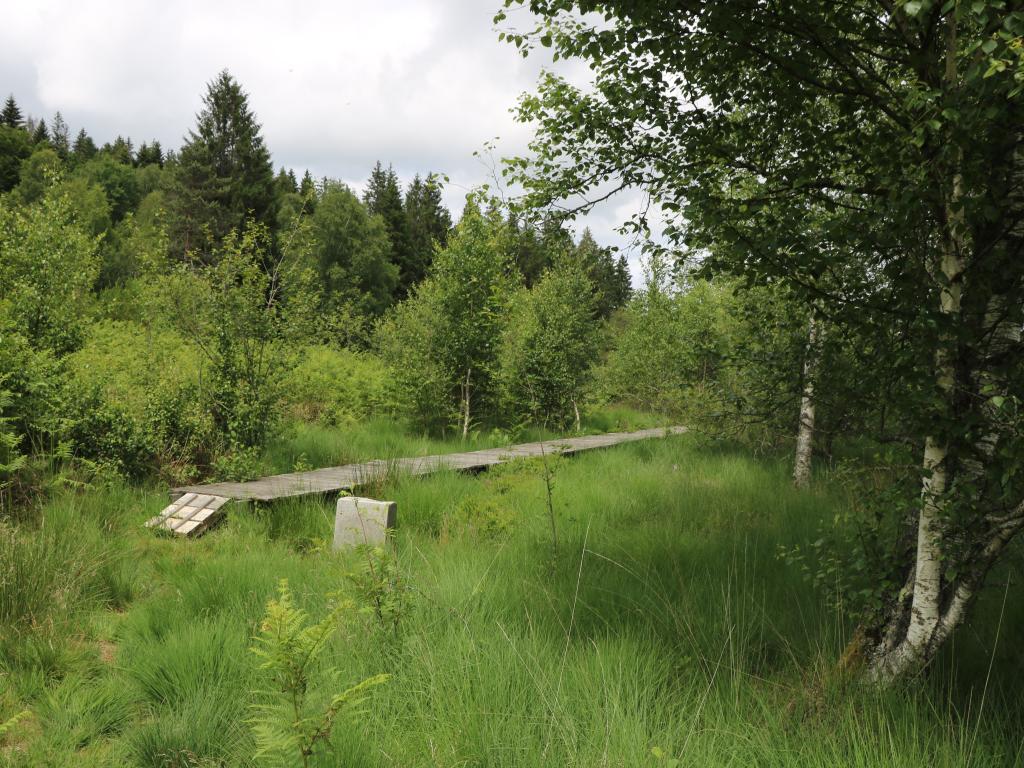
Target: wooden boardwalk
196 507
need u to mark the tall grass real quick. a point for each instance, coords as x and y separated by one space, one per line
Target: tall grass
663 628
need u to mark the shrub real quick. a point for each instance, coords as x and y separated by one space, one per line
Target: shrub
133 398
336 386
290 727
235 312
548 347
48 269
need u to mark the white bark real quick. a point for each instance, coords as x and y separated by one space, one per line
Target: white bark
805 432
923 634
465 404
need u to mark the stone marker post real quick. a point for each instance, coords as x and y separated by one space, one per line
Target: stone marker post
362 521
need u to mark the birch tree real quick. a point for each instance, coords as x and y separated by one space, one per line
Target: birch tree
805 425
898 124
443 341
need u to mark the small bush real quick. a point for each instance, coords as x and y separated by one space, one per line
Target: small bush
289 727
483 516
336 387
381 586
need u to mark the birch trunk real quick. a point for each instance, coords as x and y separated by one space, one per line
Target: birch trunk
925 628
465 404
805 432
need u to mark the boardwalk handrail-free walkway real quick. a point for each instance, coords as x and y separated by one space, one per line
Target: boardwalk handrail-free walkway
197 506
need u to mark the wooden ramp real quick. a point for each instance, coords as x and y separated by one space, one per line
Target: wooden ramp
196 507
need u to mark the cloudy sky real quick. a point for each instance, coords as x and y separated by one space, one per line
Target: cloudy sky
337 85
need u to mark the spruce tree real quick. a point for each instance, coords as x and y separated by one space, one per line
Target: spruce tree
530 256
610 277
40 134
149 154
121 150
308 187
224 177
11 115
285 182
60 136
383 197
427 222
83 149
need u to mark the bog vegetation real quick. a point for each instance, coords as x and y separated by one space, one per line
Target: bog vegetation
824 571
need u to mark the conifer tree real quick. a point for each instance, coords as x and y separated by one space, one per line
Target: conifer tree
530 257
149 154
427 222
610 277
11 115
84 148
224 177
285 182
40 134
60 136
383 197
308 187
121 150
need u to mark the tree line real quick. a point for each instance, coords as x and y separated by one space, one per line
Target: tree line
222 181
161 309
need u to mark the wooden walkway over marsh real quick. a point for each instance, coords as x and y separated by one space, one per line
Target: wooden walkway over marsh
196 507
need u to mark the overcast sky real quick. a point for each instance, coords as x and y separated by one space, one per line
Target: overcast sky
337 85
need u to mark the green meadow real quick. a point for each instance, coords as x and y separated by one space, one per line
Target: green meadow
663 629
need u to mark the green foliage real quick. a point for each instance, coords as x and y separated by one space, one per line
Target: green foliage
223 177
11 115
89 203
49 572
609 276
38 173
383 198
11 457
8 725
549 345
351 251
381 587
83 149
147 379
83 711
48 267
137 246
443 342
118 182
831 150
15 147
336 387
408 340
428 223
289 647
669 354
482 516
234 312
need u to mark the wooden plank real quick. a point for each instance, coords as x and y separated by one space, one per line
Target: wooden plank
191 514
